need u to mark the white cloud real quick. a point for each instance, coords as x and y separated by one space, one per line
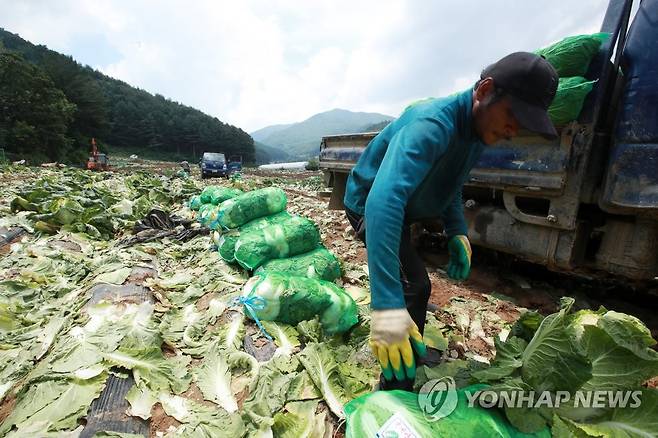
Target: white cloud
254 63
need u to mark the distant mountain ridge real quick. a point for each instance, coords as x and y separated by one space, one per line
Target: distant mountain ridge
302 140
267 154
263 133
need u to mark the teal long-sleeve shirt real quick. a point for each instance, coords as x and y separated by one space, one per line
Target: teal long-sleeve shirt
414 169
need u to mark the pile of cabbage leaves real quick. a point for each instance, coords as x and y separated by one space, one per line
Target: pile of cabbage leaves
192 351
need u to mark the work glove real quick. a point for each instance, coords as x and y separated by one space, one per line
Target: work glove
459 265
393 338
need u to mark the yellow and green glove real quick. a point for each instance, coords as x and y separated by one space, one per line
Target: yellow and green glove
460 252
394 337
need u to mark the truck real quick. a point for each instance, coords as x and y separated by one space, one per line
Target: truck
213 164
586 203
234 164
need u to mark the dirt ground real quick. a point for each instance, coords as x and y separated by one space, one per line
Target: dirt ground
161 422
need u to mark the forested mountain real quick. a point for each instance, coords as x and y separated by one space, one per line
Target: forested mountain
267 131
268 154
302 140
52 106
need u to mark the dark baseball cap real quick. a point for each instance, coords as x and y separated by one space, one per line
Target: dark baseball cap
530 83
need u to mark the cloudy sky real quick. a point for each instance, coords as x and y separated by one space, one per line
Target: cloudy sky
254 63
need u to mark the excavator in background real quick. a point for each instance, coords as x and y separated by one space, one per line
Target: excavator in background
97 160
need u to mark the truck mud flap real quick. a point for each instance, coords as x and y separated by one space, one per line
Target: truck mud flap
338 191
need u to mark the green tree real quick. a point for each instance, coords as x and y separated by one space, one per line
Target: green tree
91 116
34 114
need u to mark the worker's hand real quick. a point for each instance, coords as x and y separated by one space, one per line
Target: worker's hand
459 265
393 338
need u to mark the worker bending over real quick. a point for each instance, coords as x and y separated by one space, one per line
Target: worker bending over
414 169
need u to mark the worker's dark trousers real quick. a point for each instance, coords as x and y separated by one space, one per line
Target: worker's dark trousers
415 284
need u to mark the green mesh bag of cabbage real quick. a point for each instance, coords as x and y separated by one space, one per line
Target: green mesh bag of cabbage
208 215
569 99
237 211
226 241
319 263
216 194
206 192
402 413
572 55
288 238
223 194
195 203
275 296
203 212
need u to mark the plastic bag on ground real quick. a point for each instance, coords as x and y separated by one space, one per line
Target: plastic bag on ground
569 99
572 55
225 242
159 220
385 413
288 238
288 299
319 263
237 211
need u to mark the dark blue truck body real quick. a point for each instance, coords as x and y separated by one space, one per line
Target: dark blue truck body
234 164
587 201
213 164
